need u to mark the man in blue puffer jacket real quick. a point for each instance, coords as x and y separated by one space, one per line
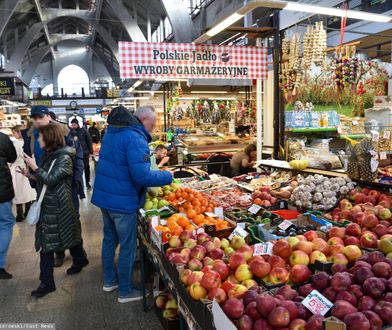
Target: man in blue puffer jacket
122 177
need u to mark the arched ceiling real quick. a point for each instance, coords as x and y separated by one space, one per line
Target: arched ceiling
31 30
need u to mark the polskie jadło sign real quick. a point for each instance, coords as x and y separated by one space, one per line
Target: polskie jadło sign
143 60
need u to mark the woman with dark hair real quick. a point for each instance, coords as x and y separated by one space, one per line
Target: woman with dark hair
243 161
58 228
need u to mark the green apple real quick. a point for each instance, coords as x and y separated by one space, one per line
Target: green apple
385 245
293 241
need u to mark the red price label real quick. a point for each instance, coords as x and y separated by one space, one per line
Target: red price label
317 303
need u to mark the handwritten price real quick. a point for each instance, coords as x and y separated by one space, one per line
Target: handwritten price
317 306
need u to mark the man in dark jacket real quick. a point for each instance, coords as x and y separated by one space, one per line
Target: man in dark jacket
123 174
7 219
87 146
41 117
94 133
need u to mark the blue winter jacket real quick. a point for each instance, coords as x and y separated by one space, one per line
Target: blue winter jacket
123 171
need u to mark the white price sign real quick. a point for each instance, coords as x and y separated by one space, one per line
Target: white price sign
254 209
317 303
387 134
355 122
383 155
238 231
262 248
285 224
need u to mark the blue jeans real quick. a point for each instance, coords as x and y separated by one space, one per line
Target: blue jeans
7 221
119 229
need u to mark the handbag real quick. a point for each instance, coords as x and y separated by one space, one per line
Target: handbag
35 208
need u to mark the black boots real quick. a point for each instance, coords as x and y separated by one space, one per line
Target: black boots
43 290
4 275
75 269
19 213
59 259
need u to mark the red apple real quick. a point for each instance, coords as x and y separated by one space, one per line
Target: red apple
361 274
380 230
360 218
341 308
353 229
221 268
304 290
211 279
291 307
317 255
368 240
195 264
374 287
315 322
209 246
370 221
299 273
218 294
260 268
265 304
287 292
382 269
351 240
216 254
370 199
339 258
196 276
262 324
279 317
297 324
282 249
366 303
356 321
335 249
227 286
251 310
384 311
385 203
198 252
337 240
202 237
245 323
250 283
185 235
337 232
206 268
340 282
255 258
299 257
236 259
305 246
276 261
374 193
184 276
374 319
278 275
311 235
347 296
247 251
233 308
243 273
320 245
320 281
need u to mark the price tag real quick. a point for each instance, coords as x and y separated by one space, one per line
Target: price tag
210 214
339 130
262 248
355 122
373 165
317 303
387 134
242 225
219 212
214 177
254 209
383 155
200 230
375 136
285 224
238 231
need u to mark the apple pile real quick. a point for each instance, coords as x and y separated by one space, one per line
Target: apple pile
362 294
309 248
166 302
263 197
353 234
261 311
370 209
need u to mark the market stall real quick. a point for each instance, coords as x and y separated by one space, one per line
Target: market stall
259 253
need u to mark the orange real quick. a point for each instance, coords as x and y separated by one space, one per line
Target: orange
165 229
176 230
191 214
181 209
183 222
190 227
171 197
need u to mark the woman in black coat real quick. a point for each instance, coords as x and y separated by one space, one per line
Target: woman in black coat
58 228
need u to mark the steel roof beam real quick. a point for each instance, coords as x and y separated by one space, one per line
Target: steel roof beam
181 21
126 19
7 9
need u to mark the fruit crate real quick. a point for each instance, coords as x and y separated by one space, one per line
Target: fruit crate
322 266
166 323
222 233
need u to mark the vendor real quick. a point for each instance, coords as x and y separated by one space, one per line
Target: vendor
161 156
243 161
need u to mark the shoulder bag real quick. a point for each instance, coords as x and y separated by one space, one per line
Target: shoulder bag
35 208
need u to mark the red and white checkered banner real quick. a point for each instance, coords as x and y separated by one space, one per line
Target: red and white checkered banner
151 60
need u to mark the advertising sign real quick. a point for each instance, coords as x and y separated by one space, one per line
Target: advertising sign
7 86
142 60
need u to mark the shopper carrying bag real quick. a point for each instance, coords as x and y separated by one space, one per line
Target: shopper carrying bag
35 208
58 228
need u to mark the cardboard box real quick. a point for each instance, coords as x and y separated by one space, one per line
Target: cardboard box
167 324
333 323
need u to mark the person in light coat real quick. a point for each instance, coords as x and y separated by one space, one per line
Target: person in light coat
24 194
